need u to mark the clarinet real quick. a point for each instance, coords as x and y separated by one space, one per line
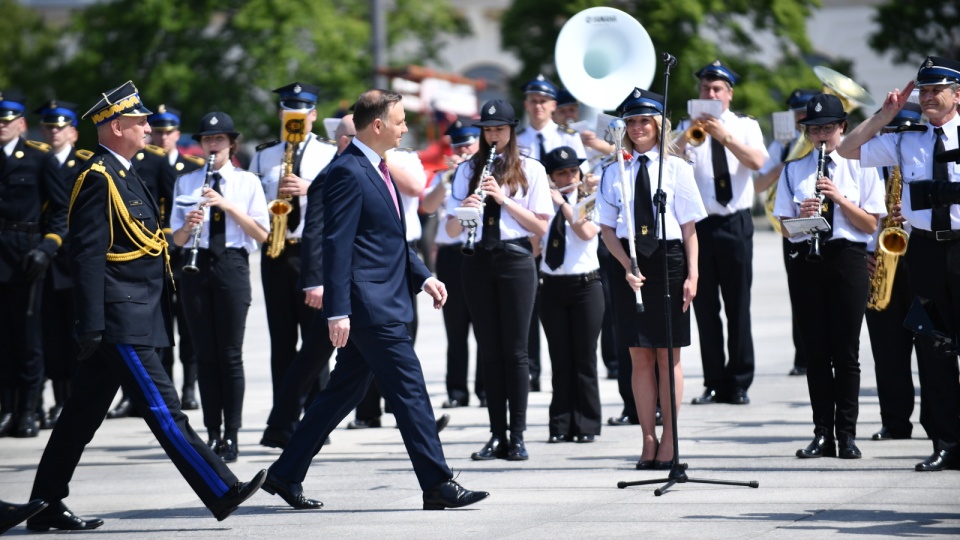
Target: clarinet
191 267
814 254
469 247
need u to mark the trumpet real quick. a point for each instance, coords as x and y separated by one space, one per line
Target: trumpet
695 134
814 254
191 266
469 247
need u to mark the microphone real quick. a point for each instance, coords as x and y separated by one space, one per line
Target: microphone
668 59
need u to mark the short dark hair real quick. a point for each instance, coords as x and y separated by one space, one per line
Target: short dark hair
371 105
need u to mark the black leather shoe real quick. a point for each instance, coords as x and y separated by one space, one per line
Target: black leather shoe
453 404
738 397
442 422
847 447
586 438
517 450
709 396
216 445
189 400
50 420
235 496
291 493
450 494
6 425
558 439
12 515
938 461
364 424
492 450
886 434
122 410
228 451
621 421
273 438
60 517
820 447
645 465
798 371
27 426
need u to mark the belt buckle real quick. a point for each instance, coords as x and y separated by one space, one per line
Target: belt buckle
947 235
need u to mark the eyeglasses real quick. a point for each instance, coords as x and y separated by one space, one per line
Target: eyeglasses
826 129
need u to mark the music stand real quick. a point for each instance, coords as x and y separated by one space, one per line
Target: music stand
678 474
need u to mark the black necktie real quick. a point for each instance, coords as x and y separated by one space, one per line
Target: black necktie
543 150
293 218
826 208
721 174
217 243
643 210
940 216
557 240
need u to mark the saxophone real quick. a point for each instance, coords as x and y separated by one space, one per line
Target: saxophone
891 245
294 132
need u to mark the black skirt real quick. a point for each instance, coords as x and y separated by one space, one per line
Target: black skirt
649 329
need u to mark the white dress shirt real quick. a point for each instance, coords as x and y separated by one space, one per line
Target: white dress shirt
579 256
409 161
554 136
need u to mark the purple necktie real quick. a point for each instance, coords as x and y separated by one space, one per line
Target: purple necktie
386 178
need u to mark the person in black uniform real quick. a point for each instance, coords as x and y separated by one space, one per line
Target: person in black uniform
29 180
931 205
58 121
120 273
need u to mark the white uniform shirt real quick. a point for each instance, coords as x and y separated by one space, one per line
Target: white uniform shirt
579 255
409 161
238 186
268 165
62 155
775 154
743 129
860 185
554 136
442 238
535 198
916 160
683 198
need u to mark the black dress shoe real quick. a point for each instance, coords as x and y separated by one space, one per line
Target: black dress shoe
708 397
60 517
797 371
228 451
50 420
492 450
442 422
517 450
235 496
558 439
450 494
122 410
27 426
291 493
847 447
586 438
364 424
938 461
6 424
216 445
622 421
12 515
738 397
274 438
645 465
820 447
189 400
453 404
886 434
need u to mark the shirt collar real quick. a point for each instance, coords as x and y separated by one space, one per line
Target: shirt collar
8 148
123 161
374 158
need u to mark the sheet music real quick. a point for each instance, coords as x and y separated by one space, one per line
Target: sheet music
699 107
784 126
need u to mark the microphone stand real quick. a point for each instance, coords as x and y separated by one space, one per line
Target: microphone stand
678 473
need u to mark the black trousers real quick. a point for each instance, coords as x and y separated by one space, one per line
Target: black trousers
726 269
799 361
608 332
369 407
60 350
611 270
187 355
830 298
892 346
21 357
571 310
935 276
500 297
533 340
216 301
138 370
456 322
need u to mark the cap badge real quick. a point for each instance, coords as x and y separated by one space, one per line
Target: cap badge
819 107
53 104
636 92
162 109
491 110
213 121
540 77
716 63
563 154
928 63
296 89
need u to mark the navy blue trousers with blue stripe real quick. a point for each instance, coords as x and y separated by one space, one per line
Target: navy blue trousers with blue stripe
139 371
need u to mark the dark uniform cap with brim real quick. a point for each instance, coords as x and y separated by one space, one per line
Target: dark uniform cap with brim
562 157
121 101
641 102
909 115
12 105
541 85
298 96
799 98
937 70
496 112
56 113
215 123
718 70
165 119
565 98
461 134
824 109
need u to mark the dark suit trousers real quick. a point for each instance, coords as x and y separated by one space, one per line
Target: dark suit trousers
726 269
892 346
288 317
386 353
610 270
799 361
138 370
59 348
608 332
456 321
21 361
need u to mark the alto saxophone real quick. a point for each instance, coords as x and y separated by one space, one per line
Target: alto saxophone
279 210
891 245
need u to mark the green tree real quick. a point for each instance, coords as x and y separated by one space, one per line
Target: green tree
28 45
911 31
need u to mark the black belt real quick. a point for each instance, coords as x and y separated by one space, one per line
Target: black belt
517 245
567 279
21 226
939 236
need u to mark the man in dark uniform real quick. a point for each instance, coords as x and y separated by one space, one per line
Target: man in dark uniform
158 165
29 180
58 121
119 263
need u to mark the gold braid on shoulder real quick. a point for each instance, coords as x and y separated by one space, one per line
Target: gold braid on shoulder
152 244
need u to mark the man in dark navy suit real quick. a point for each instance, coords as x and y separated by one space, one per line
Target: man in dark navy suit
370 277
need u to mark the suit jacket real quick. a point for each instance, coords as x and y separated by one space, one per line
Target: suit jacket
369 271
311 248
29 181
58 275
126 301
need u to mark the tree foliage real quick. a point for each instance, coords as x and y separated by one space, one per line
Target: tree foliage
911 31
26 47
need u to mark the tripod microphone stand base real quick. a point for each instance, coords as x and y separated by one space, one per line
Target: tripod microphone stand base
678 475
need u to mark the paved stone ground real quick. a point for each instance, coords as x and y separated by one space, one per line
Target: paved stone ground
570 490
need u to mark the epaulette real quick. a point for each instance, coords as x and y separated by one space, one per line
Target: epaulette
37 145
743 115
266 145
196 160
155 150
83 154
567 130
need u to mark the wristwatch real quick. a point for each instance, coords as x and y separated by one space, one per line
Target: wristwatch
727 139
506 201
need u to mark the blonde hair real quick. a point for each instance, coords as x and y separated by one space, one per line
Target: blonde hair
663 127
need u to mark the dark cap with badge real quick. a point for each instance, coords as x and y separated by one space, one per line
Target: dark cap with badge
461 134
937 70
562 157
298 96
55 113
824 109
641 102
908 119
565 98
215 123
12 105
798 98
496 112
165 119
717 70
541 85
121 101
